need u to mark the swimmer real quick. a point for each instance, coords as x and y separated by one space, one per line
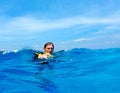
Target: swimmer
48 50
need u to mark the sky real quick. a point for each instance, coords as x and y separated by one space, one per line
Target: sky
69 24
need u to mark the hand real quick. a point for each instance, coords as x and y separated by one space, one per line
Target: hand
44 56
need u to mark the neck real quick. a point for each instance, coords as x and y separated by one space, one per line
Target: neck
47 53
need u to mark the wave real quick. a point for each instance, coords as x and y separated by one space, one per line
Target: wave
74 70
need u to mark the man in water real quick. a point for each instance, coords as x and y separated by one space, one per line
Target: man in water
48 50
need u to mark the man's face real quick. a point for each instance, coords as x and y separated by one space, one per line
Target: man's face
48 49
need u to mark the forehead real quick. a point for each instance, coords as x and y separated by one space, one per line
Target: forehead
49 45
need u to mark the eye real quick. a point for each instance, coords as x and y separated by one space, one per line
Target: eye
50 48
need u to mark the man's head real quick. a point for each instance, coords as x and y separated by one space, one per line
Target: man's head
49 47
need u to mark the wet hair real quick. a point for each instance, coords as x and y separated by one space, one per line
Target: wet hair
49 43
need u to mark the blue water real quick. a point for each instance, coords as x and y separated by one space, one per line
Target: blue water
73 71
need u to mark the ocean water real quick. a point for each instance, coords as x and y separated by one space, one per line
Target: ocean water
77 70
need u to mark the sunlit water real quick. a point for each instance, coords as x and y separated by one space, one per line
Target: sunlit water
73 71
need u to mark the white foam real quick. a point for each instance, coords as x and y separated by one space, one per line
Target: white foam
15 51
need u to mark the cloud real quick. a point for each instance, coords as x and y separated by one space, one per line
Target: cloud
26 27
31 24
116 27
82 39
